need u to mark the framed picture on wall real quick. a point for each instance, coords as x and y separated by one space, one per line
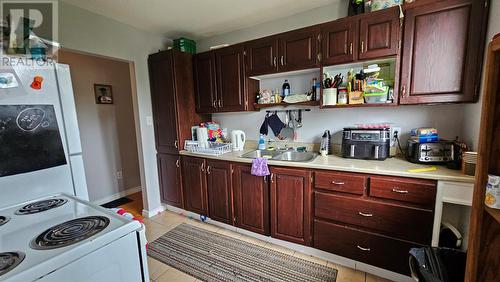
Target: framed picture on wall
103 94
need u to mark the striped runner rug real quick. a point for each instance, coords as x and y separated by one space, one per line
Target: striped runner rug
209 256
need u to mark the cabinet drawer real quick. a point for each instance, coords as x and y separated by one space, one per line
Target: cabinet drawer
370 248
341 182
406 223
416 191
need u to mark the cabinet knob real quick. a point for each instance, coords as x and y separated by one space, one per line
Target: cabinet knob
397 190
363 248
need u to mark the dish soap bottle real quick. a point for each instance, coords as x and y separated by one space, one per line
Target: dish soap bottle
286 89
262 142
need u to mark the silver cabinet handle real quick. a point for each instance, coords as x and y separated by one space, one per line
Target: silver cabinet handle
214 104
275 61
272 177
362 47
220 104
345 48
177 163
397 190
350 49
176 144
208 169
365 214
202 167
282 60
338 183
265 179
363 249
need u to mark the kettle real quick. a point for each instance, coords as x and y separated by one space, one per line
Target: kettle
238 139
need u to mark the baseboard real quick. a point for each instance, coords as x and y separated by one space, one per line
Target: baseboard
151 213
117 196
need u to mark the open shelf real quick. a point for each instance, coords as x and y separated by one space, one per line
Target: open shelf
308 103
495 213
359 106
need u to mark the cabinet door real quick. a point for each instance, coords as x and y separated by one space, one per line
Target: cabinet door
205 83
161 76
262 56
291 205
379 34
220 194
443 48
170 179
230 78
194 181
299 49
251 200
339 39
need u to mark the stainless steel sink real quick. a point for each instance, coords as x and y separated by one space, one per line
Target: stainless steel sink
294 156
261 154
288 156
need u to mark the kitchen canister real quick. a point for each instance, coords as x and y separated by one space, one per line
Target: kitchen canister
329 96
492 198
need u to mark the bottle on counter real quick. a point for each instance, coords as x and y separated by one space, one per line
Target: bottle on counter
314 92
285 89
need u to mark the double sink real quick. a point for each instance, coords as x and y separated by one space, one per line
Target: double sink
287 156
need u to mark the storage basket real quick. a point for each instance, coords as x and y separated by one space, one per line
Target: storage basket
185 45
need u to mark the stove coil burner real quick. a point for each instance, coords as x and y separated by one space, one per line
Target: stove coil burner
69 232
4 219
41 206
9 261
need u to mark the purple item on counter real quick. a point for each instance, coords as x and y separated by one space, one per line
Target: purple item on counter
259 167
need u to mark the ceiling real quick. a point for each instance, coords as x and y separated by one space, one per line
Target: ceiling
196 19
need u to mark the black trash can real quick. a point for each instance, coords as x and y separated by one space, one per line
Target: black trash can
429 264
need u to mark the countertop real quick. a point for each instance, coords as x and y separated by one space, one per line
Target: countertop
391 166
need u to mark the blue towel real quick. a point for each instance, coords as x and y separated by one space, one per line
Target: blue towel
259 167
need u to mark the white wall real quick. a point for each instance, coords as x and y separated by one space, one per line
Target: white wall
82 30
473 111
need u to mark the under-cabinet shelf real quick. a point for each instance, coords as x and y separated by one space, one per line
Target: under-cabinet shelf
308 103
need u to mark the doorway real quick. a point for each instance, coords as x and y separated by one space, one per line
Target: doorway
103 91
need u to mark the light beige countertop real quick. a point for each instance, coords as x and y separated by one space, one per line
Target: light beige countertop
391 166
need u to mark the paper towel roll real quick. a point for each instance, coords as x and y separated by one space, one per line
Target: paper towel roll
202 135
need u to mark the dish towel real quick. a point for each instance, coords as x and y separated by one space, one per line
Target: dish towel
259 167
275 123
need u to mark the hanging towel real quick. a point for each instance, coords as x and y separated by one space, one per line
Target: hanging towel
264 130
276 124
259 167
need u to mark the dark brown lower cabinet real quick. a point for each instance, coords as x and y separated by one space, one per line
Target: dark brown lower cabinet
220 196
371 248
195 185
291 205
251 200
170 179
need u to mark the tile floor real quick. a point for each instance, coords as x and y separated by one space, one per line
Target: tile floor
162 223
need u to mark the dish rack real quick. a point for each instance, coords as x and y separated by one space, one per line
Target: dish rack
213 148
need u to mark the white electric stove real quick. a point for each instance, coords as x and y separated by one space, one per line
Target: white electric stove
48 229
62 238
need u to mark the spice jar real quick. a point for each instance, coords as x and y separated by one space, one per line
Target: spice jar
343 96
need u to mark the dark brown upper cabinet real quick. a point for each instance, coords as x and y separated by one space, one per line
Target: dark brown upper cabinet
230 68
195 185
340 41
299 49
205 82
220 192
379 34
170 179
173 99
443 49
262 56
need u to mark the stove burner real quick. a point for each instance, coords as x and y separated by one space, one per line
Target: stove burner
4 219
9 261
69 232
41 206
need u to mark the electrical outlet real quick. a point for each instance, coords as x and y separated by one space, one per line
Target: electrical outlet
395 130
119 174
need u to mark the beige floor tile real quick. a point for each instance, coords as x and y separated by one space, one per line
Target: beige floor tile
279 249
168 218
311 258
373 278
156 268
154 230
174 275
346 274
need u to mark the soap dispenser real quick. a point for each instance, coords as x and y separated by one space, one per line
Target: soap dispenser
262 142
